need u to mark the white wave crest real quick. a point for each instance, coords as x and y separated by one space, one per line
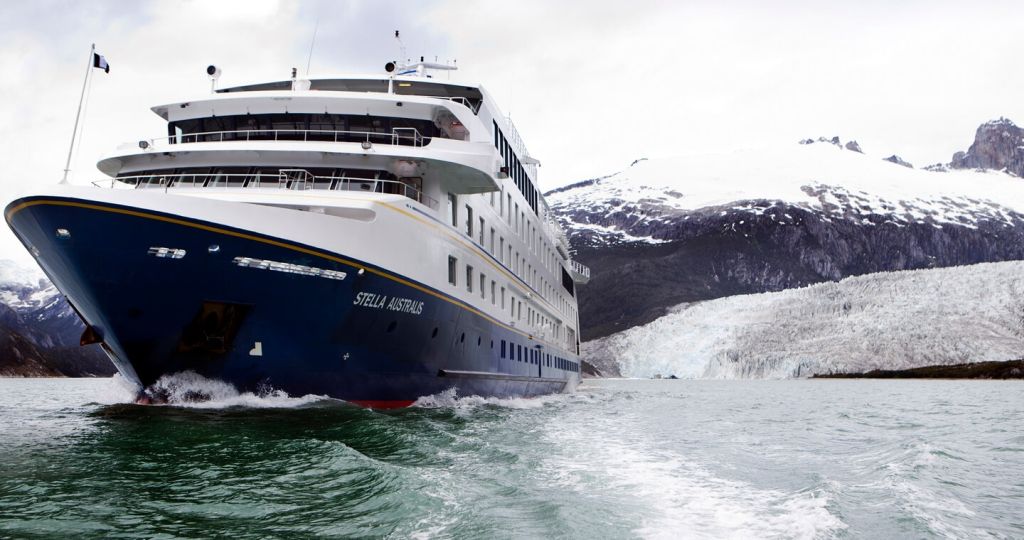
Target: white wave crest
190 389
114 390
450 400
681 498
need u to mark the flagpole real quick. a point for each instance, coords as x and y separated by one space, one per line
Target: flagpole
88 70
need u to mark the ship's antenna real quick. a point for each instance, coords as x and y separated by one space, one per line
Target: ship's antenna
401 47
311 44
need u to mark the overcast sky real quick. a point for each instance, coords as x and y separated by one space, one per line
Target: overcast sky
590 85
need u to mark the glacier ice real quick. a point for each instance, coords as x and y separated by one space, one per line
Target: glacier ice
889 320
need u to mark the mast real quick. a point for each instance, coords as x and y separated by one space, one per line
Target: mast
74 131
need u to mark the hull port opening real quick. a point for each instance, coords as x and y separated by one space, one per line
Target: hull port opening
213 329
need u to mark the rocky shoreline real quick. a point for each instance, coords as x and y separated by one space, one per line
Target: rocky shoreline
1011 369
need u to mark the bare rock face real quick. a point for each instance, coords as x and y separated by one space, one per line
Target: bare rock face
898 160
833 140
998 145
852 145
39 333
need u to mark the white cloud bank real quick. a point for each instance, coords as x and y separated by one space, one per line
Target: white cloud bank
591 85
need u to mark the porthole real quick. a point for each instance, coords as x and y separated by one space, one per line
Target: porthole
462 338
434 333
392 326
479 340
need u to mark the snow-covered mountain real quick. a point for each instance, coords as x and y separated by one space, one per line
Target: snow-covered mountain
890 320
642 203
696 227
39 331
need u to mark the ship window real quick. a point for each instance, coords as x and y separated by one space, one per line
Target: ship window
492 240
391 326
483 286
503 348
469 221
434 333
453 266
479 340
469 278
482 232
503 298
567 282
494 286
453 209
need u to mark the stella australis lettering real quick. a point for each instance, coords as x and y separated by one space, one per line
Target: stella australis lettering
394 303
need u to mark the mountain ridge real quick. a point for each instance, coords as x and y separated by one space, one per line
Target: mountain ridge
692 228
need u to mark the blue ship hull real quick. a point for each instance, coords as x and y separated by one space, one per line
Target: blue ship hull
370 337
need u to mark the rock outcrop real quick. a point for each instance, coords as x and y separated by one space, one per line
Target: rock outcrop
998 145
898 160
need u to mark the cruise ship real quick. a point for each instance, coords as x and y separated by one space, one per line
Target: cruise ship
372 238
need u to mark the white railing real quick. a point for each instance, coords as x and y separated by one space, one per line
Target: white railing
292 179
581 273
397 136
465 102
517 142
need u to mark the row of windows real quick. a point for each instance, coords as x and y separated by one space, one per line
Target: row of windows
322 178
520 353
287 127
534 319
515 169
532 235
475 227
512 351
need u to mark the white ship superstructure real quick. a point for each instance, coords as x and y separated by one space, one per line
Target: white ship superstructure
375 238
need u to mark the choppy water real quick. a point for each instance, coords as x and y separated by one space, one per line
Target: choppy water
618 459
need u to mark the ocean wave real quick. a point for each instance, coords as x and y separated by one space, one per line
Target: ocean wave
192 390
450 400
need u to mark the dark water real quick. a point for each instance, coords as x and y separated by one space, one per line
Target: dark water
618 459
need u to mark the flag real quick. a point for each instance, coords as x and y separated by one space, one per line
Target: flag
98 61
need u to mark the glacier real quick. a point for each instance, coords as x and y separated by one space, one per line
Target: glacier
886 320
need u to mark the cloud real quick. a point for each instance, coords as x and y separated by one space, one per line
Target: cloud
590 85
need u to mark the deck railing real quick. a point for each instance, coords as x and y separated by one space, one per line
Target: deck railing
397 136
582 273
291 179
